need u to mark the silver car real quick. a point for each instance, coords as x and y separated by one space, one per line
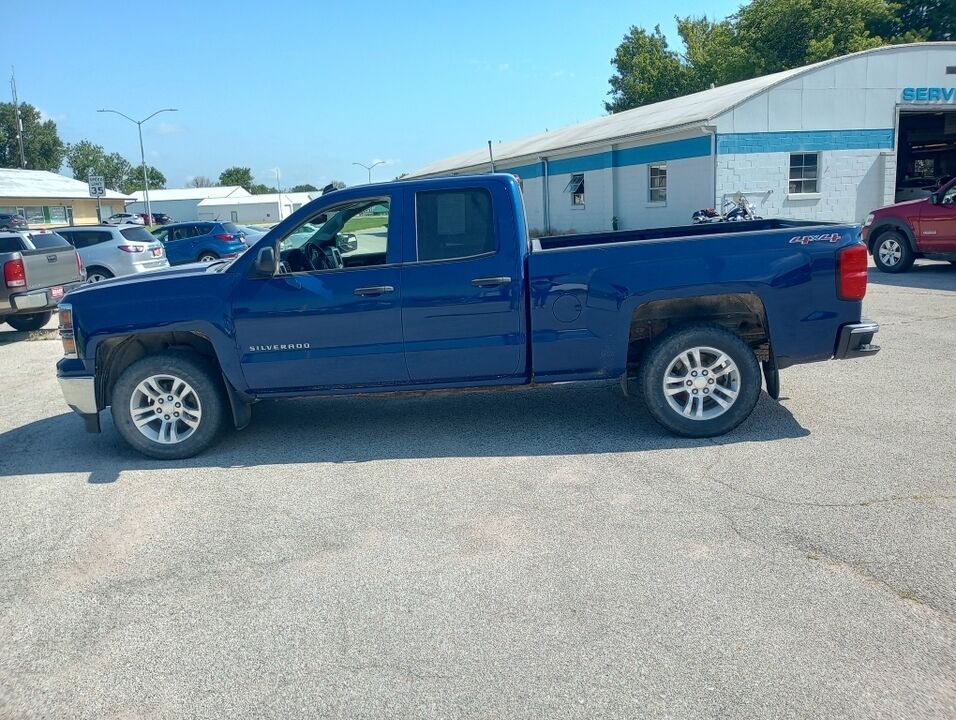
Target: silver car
115 250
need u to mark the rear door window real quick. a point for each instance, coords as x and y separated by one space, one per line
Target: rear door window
454 224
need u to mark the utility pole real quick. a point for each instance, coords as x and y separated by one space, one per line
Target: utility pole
17 118
142 154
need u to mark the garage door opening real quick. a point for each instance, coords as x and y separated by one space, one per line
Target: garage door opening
926 155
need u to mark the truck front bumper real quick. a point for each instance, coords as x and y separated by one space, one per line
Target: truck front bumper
856 340
80 395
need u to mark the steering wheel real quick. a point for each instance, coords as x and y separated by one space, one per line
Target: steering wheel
321 257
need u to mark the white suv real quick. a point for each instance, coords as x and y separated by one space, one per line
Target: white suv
111 251
125 219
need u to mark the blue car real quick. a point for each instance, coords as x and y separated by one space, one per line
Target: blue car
201 241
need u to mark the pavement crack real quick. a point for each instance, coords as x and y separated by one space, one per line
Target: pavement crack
816 554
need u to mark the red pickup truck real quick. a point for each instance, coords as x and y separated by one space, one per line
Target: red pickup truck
898 234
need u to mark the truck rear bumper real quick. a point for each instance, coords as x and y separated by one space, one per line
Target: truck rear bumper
40 299
80 395
856 340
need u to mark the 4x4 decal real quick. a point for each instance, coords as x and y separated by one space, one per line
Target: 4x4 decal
807 239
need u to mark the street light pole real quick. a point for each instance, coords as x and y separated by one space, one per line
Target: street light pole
369 168
142 153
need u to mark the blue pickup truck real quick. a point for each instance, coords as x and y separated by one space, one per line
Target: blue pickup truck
436 284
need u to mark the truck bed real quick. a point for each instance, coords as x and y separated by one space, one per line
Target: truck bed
584 288
554 242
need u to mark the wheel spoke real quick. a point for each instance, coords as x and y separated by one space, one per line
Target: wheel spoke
722 362
700 406
177 386
696 355
190 420
144 420
150 388
689 405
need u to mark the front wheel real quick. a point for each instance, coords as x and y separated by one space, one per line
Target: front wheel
33 321
700 380
169 406
892 253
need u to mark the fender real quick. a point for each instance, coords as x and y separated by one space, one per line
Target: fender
892 223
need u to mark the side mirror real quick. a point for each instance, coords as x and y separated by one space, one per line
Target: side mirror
934 199
266 261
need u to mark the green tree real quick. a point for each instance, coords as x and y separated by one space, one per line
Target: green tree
42 147
200 181
86 158
241 176
134 181
303 188
337 184
765 36
647 71
260 189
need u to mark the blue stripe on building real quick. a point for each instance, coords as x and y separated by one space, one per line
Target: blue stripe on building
804 141
659 152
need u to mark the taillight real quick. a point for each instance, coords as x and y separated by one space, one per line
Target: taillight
225 237
67 336
14 274
851 280
80 269
132 248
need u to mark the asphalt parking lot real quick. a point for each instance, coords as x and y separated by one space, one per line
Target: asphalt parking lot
539 554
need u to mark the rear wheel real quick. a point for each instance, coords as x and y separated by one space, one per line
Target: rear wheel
33 321
208 257
700 380
169 406
892 253
97 274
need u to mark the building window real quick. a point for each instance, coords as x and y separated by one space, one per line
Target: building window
657 182
576 188
804 173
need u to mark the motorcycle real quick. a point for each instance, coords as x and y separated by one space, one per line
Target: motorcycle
734 210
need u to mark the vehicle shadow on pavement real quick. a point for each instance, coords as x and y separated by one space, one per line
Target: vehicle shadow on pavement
925 275
581 419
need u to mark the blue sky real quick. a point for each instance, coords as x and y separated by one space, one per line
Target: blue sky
310 87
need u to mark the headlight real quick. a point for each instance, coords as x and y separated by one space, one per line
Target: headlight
868 221
66 331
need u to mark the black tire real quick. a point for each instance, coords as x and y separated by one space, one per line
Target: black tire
683 338
208 257
892 253
206 385
33 321
97 274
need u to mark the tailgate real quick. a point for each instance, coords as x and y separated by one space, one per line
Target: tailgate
49 268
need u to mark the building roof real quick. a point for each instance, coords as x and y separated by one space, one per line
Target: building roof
679 112
16 183
298 197
192 193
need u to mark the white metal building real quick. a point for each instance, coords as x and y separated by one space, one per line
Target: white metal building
828 141
182 204
47 199
267 208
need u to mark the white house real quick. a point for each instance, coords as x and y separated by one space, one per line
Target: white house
182 203
268 208
829 141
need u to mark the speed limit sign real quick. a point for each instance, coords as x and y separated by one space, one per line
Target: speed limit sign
97 186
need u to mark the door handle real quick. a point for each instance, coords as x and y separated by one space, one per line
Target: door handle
491 281
374 290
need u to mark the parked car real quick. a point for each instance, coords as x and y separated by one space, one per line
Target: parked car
898 234
13 221
147 218
458 296
251 233
39 268
124 219
200 241
161 218
116 250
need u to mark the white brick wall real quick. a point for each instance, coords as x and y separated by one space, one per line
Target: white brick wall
852 184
